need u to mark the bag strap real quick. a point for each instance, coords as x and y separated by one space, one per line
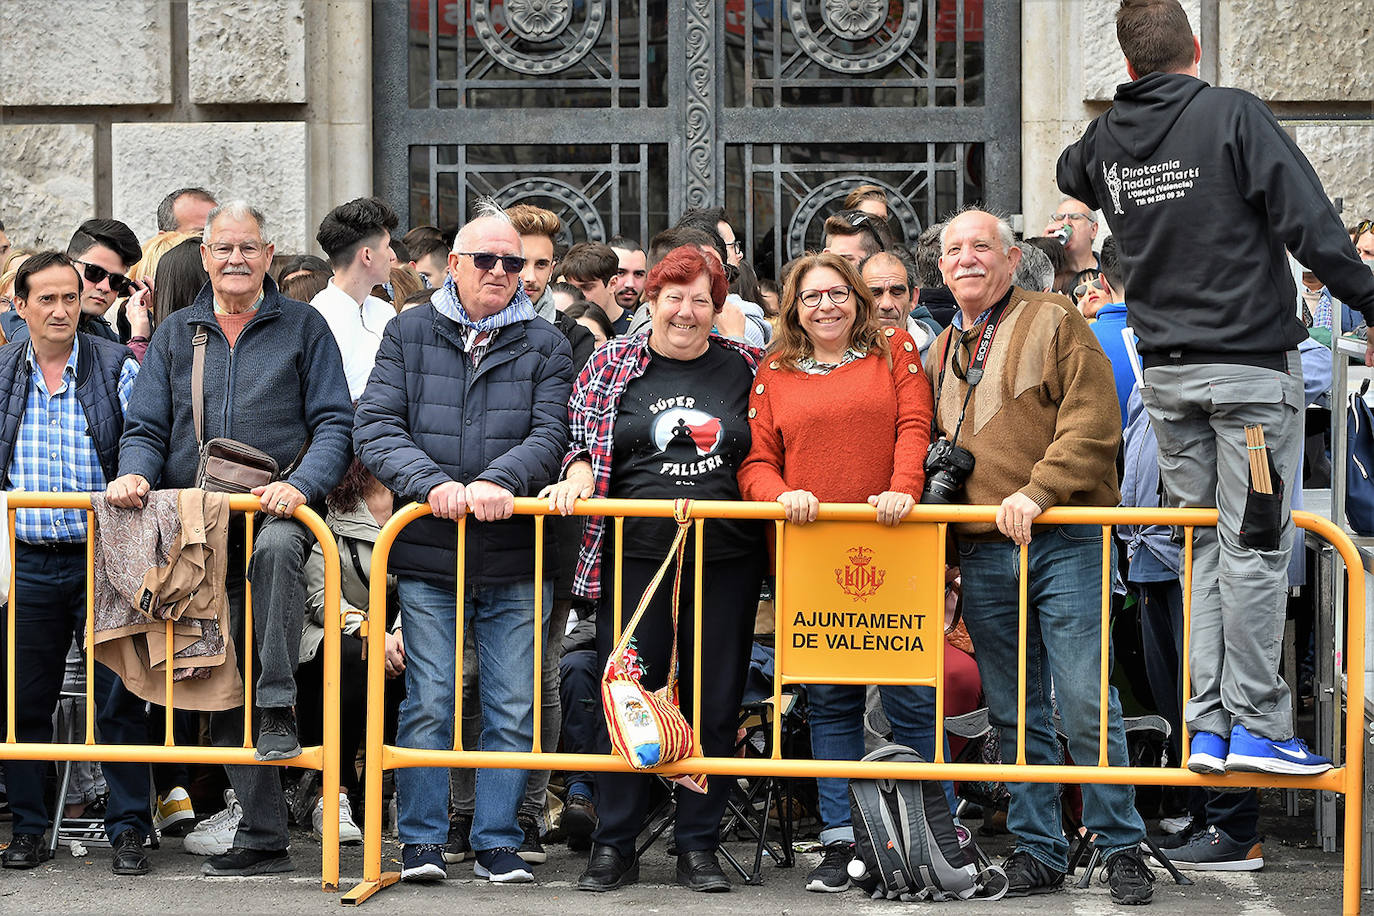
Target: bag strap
682 514
198 383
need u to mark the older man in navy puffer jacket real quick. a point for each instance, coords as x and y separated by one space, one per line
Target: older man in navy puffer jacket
467 407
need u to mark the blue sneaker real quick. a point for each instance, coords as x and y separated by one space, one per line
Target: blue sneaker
422 862
1254 754
1207 753
502 866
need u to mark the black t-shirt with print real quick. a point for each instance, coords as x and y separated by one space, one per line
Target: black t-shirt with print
681 432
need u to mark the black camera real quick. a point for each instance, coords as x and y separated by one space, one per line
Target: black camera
947 469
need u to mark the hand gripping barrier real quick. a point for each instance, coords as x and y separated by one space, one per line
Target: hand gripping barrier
324 758
806 558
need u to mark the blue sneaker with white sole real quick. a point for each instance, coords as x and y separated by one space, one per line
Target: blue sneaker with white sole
1207 753
1253 754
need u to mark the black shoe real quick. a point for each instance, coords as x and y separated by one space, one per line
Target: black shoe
26 850
239 862
698 870
608 870
831 876
277 734
531 850
579 819
129 857
1027 875
459 846
1130 878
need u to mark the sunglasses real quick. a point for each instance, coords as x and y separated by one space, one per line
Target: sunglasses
485 260
94 273
1081 289
1362 227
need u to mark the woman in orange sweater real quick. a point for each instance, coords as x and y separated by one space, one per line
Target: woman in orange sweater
840 412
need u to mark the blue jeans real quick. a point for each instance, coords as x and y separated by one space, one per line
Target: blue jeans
1064 634
837 733
502 619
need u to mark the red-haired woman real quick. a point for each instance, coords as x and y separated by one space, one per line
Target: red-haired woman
663 415
841 413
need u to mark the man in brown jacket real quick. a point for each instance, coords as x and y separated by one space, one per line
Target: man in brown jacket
1023 385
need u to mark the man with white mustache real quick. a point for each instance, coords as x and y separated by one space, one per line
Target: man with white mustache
1043 430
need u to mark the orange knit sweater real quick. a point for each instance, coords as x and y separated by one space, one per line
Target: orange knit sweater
856 432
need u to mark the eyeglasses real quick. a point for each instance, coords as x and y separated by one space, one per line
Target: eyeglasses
94 273
736 246
485 260
811 298
1075 217
898 290
221 251
1081 289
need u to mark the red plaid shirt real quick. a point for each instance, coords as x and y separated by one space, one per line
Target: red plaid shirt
591 414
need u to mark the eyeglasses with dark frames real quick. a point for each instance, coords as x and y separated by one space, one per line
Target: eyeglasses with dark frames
485 260
811 298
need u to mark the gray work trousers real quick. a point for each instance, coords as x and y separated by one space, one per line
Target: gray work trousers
277 573
1239 598
462 779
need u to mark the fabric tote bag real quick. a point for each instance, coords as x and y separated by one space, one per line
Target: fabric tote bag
646 726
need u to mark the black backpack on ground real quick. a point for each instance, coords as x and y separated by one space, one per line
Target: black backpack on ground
906 843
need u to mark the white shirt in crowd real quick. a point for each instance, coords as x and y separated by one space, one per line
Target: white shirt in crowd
357 329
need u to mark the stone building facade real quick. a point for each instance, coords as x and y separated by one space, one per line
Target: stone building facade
105 106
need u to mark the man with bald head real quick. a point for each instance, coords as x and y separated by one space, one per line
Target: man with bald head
467 408
1042 430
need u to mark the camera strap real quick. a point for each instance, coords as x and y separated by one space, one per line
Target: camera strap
976 361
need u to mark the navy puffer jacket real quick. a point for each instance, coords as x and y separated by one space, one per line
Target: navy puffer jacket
427 417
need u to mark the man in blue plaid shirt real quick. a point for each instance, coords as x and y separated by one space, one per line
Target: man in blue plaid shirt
62 401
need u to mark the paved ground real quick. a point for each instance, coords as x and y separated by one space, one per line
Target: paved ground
1297 879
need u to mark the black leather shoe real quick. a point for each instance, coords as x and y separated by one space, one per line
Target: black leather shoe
26 850
698 870
608 870
129 857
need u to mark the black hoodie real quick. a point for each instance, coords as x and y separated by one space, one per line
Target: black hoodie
1204 191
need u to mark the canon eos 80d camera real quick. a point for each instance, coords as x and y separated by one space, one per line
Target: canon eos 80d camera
947 469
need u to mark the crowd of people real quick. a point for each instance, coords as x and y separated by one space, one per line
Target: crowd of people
462 368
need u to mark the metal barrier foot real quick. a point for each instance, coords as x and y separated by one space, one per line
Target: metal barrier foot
367 888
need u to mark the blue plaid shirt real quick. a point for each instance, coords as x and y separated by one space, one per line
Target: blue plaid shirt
55 454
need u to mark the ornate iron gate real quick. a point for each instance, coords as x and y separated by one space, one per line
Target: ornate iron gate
618 114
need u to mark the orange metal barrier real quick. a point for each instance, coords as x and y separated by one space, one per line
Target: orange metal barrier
324 758
919 546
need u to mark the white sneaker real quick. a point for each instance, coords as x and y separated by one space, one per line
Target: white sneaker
214 836
349 834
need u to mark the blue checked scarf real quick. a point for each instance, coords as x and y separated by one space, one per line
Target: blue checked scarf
518 309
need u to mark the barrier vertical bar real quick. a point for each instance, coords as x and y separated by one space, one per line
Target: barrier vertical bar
619 570
538 630
941 532
460 628
330 750
1104 638
700 532
1021 643
249 643
10 737
1187 640
167 706
779 646
90 627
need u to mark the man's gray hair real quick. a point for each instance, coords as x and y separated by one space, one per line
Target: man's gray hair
1092 214
1005 234
1035 272
236 210
166 218
484 208
902 258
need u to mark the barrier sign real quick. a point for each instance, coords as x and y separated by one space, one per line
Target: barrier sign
860 603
